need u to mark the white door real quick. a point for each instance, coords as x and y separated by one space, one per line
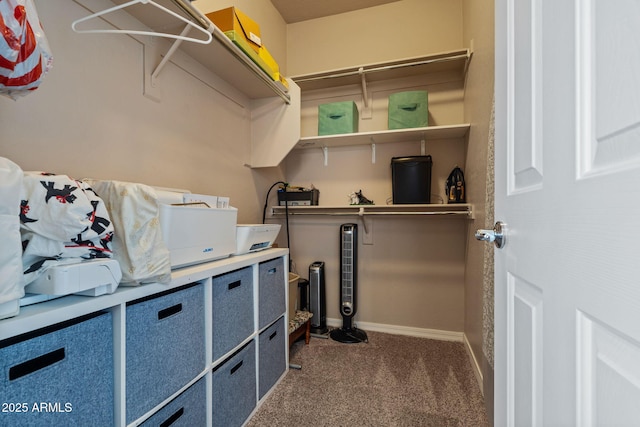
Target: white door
567 313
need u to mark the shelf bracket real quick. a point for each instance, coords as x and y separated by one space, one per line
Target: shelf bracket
176 44
367 237
151 86
325 154
373 151
366 110
361 215
151 78
423 146
363 81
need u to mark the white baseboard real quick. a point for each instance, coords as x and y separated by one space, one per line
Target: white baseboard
434 334
474 365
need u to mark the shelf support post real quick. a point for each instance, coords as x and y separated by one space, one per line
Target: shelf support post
363 82
367 237
366 111
361 215
373 151
176 44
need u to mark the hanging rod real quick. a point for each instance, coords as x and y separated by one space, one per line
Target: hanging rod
418 213
466 213
194 13
201 23
361 211
362 70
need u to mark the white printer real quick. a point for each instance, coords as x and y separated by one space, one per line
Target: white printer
197 228
255 237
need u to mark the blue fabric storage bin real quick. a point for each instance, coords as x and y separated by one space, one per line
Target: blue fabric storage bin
234 388
271 291
65 370
233 318
165 346
272 359
189 409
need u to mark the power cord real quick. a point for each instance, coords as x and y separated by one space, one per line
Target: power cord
266 200
286 212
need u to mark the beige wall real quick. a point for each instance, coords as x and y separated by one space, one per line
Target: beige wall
411 273
478 27
397 30
90 119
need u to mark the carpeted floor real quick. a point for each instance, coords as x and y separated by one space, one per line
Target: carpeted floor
392 380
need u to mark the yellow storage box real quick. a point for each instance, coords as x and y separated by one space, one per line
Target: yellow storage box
284 82
232 19
273 69
239 41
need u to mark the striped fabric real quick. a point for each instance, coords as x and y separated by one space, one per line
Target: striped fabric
25 55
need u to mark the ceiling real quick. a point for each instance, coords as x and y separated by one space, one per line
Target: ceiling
302 10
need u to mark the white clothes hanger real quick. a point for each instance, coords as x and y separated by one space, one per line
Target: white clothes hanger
182 36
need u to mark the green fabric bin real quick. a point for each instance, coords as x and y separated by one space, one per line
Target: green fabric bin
337 118
408 109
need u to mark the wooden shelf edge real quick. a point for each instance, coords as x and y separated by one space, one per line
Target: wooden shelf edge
449 60
455 209
385 136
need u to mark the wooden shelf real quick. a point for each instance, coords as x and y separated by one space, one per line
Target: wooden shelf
226 60
220 56
464 210
385 136
69 307
454 62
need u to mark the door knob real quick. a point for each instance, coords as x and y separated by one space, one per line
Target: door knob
497 235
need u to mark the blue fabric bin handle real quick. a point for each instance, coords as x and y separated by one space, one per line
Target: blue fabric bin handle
173 418
35 364
235 368
170 311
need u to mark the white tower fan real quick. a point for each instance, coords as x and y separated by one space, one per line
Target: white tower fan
348 286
